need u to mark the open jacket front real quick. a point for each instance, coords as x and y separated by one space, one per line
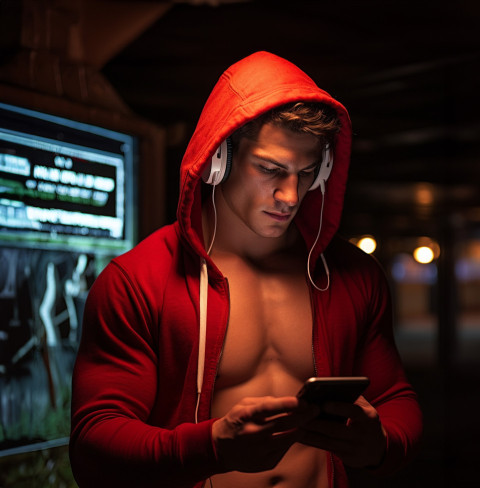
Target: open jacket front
134 395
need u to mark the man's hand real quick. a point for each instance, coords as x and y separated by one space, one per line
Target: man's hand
359 443
257 432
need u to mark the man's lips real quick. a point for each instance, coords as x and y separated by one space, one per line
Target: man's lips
280 217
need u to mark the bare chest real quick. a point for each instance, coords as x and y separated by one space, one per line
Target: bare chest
268 344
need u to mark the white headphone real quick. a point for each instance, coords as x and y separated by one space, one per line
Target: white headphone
219 168
324 171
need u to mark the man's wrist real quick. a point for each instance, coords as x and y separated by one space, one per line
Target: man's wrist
378 463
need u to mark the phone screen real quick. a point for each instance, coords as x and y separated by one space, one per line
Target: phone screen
342 389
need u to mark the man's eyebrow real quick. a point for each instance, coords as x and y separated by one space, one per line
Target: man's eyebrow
280 165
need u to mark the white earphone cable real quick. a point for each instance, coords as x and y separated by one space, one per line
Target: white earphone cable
324 261
203 312
214 221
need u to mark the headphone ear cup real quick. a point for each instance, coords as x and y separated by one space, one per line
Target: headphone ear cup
229 159
220 165
324 170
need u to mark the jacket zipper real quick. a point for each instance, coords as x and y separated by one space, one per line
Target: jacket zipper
332 465
223 345
312 305
330 455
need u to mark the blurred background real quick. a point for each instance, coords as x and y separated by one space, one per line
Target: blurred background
129 79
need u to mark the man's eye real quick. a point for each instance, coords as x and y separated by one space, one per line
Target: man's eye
306 174
268 171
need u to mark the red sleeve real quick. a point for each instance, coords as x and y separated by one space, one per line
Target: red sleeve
114 390
389 392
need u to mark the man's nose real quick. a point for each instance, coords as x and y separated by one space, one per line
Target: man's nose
287 190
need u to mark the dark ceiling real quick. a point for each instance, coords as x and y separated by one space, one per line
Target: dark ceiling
406 70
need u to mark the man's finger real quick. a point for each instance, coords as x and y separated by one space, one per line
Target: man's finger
266 408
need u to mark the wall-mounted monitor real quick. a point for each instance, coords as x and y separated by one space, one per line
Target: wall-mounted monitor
68 204
65 184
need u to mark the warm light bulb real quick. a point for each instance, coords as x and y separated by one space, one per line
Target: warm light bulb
423 254
367 244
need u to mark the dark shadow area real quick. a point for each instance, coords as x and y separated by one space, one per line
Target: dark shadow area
408 72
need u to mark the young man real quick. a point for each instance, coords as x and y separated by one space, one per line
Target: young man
196 342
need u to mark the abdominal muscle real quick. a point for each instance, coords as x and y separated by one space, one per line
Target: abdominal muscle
301 467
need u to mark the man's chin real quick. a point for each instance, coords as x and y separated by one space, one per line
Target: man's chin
274 232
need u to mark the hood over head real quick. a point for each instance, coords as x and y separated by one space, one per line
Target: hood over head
244 91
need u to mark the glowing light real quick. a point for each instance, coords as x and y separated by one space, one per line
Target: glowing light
424 194
367 244
430 243
423 254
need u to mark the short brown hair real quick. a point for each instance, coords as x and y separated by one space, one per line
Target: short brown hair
317 119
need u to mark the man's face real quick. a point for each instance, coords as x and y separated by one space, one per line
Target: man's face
270 177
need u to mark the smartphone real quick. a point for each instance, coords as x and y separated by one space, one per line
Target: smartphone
341 389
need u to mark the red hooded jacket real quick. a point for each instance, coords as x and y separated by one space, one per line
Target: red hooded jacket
134 385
